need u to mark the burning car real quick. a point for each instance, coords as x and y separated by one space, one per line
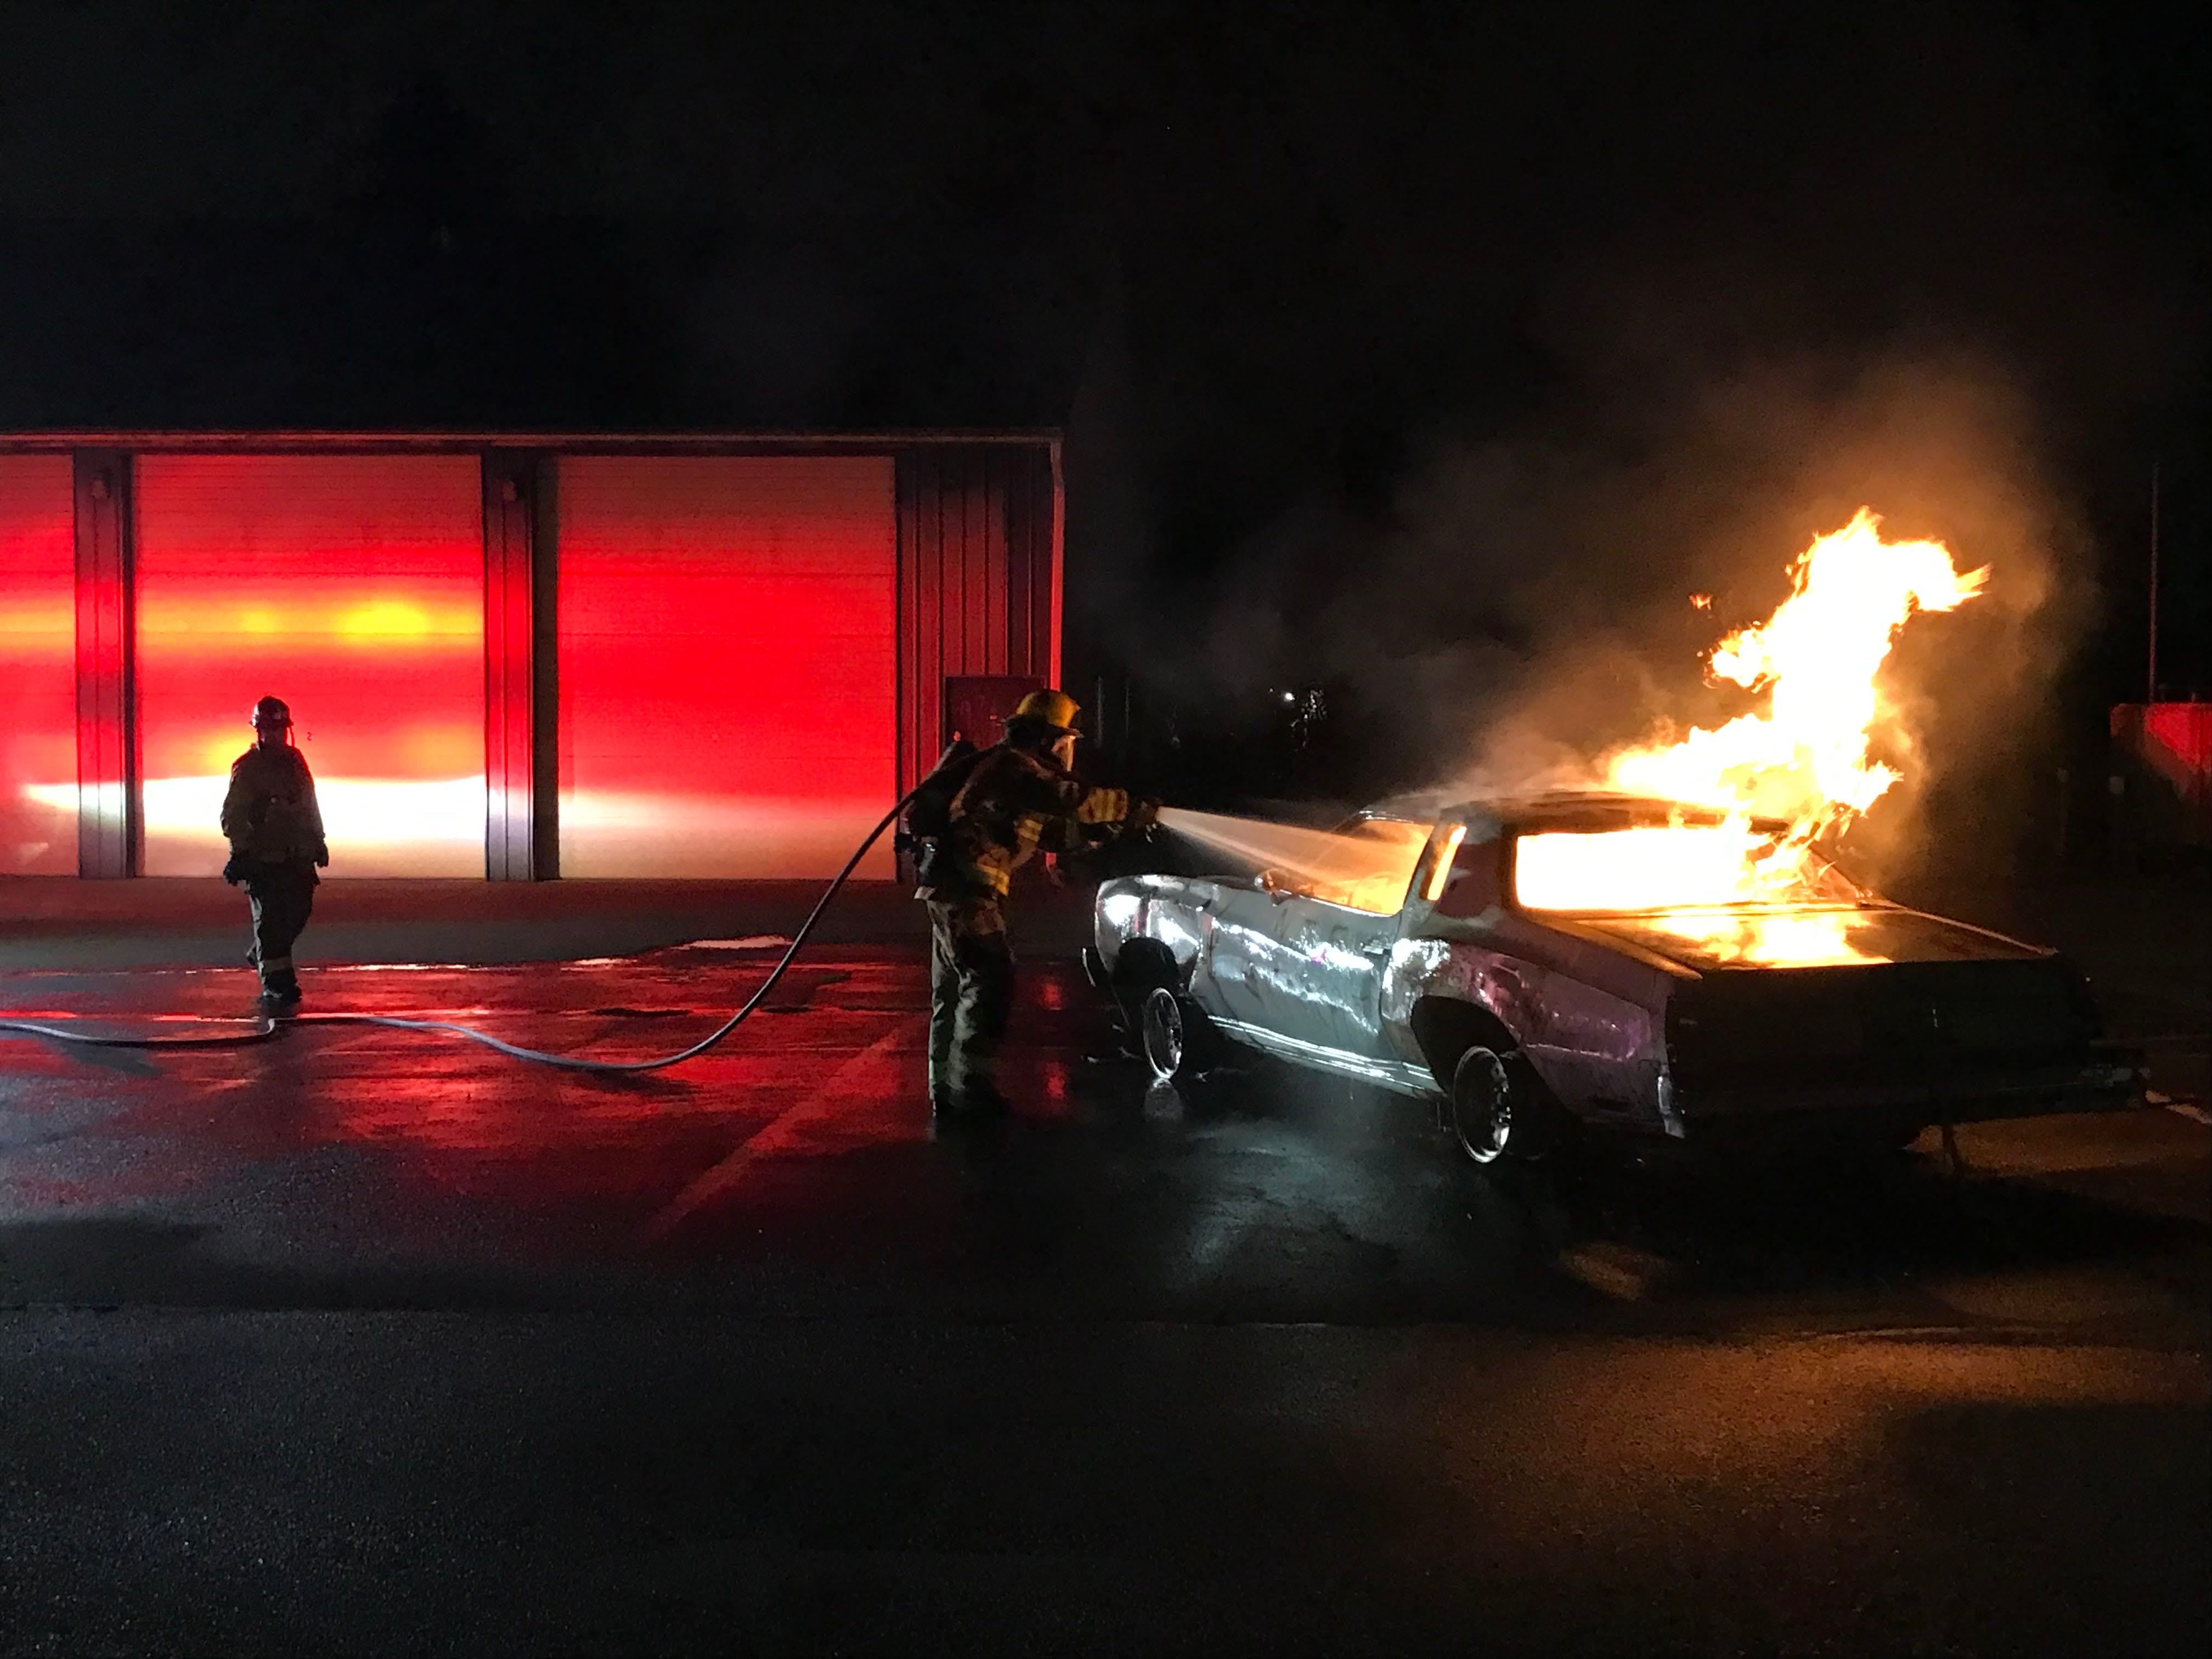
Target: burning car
1670 950
1591 960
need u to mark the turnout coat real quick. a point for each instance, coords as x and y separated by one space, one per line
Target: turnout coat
270 815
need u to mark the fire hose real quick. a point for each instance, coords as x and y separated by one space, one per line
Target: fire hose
268 1026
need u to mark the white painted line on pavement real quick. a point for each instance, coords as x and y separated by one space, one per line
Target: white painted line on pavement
872 1073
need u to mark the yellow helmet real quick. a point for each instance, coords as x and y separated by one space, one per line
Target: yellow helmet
1056 709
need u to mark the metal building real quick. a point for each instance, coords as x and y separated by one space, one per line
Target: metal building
515 656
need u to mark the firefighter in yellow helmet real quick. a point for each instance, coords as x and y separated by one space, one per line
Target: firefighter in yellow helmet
1014 799
274 828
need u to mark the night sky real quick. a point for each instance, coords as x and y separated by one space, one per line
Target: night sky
1415 347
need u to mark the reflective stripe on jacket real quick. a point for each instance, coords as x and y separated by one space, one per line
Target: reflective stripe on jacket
1014 803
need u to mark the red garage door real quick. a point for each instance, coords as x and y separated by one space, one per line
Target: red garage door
38 667
351 586
728 630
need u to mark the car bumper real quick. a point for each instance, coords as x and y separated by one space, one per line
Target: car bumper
2111 1080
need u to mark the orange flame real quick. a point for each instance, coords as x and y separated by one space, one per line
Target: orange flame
1804 758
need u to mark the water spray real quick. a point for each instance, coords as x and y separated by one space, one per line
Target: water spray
1366 860
1257 841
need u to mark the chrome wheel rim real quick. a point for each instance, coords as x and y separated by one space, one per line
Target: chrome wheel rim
1163 1035
1482 1106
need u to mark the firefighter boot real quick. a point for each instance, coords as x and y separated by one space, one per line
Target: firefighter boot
944 994
280 985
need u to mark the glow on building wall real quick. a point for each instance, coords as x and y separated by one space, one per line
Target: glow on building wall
352 586
38 667
509 655
728 629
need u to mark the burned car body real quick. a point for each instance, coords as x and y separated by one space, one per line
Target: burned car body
1430 975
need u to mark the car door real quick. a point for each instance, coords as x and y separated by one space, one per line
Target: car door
1333 934
1234 981
1336 957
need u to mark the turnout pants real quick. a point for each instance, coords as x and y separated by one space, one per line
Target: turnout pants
283 895
971 994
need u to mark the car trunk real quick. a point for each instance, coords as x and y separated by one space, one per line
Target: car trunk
1935 1020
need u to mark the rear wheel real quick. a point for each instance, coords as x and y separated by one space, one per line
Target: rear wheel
1499 1112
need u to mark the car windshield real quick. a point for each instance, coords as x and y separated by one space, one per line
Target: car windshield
1672 866
1367 864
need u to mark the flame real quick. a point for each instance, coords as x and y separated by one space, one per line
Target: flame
1805 758
1620 869
1818 658
1789 939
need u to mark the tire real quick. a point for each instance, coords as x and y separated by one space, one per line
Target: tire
1172 1036
1142 966
1498 1113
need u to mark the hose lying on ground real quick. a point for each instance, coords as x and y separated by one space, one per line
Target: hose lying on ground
268 1026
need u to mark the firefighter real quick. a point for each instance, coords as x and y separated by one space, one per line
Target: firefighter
1015 799
275 834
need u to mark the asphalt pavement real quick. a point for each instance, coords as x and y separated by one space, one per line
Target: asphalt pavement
366 1340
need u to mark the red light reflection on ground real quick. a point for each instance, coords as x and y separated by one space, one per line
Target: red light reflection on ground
1054 1097
810 1130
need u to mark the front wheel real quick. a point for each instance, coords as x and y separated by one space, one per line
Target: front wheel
1173 1035
1499 1109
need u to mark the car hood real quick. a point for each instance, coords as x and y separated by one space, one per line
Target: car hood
1808 936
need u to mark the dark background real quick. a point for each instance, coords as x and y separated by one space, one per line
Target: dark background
1416 361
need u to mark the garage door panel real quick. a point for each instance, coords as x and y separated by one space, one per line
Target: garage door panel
353 588
38 667
728 677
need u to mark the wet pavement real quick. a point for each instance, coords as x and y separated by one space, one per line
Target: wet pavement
377 1341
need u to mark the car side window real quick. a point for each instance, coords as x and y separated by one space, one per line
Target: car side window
1476 882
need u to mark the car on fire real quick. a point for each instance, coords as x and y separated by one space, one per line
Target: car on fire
1439 955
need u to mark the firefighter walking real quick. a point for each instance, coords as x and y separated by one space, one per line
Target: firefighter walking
986 814
275 829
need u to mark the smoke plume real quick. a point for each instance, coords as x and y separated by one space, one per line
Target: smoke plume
1525 605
